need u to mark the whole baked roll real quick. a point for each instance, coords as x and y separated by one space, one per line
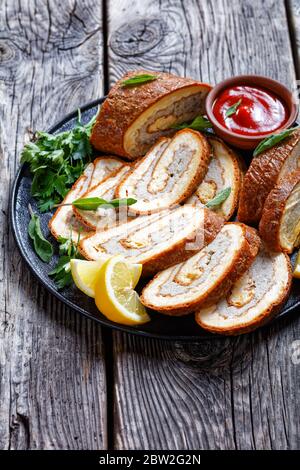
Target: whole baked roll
279 225
132 118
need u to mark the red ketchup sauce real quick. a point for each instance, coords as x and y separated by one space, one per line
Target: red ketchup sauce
260 110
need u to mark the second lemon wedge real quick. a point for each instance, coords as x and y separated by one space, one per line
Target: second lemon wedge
115 296
85 274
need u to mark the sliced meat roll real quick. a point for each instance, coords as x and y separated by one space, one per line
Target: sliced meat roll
254 299
103 167
280 222
156 240
63 223
102 218
267 170
224 171
205 277
168 174
132 119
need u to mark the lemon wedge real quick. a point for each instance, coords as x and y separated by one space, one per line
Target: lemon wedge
115 296
85 274
296 272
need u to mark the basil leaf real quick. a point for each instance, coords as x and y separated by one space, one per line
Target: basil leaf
139 79
272 140
219 198
92 203
198 124
42 247
233 109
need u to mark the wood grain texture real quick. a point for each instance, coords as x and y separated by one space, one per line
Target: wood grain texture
239 393
293 12
52 382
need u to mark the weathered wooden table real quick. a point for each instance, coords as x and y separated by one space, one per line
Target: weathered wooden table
67 383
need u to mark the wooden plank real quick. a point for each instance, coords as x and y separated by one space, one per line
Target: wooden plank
238 393
293 12
52 382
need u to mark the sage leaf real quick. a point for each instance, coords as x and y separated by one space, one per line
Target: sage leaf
233 109
139 79
272 140
219 198
92 203
200 123
42 247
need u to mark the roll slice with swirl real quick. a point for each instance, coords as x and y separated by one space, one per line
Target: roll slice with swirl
224 171
63 223
266 171
168 174
205 277
254 299
102 218
158 240
132 118
279 225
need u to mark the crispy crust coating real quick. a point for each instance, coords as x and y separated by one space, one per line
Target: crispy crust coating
273 211
125 104
261 177
260 320
194 182
177 252
241 262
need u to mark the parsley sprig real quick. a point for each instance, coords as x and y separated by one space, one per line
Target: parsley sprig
68 249
56 161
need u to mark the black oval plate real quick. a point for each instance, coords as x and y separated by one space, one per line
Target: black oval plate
162 327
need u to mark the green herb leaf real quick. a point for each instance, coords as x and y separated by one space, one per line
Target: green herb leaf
57 160
62 272
200 123
139 79
219 198
233 109
92 203
68 250
272 140
42 247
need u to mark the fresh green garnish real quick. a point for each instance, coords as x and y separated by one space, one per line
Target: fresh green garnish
68 250
219 198
233 109
42 247
56 161
200 123
92 203
139 79
272 140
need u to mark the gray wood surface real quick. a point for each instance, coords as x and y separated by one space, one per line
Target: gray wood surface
228 393
240 393
52 382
